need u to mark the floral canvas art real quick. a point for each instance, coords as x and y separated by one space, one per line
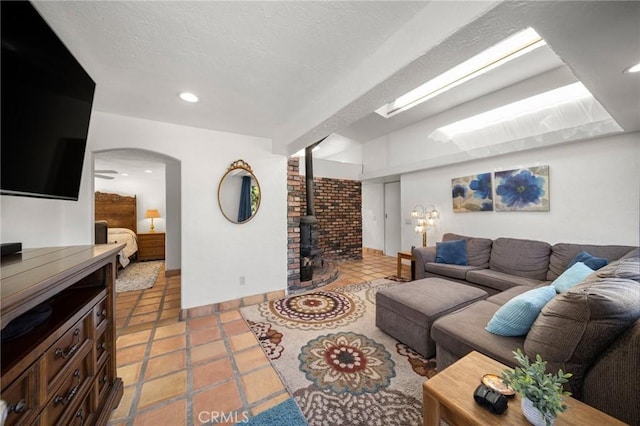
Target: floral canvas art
523 189
472 193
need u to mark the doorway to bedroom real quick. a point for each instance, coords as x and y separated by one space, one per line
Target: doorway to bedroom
137 194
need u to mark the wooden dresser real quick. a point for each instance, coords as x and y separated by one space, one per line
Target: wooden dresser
151 246
63 371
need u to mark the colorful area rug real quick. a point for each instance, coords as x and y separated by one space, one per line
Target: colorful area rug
138 276
339 367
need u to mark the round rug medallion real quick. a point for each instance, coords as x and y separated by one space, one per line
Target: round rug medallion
347 362
321 309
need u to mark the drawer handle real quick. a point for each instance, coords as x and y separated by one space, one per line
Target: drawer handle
18 407
80 415
103 380
64 400
103 346
71 350
102 313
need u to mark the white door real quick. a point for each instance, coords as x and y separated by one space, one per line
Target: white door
392 220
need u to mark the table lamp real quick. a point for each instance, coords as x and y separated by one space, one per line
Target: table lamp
152 214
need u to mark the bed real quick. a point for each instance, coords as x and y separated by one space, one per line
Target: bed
121 214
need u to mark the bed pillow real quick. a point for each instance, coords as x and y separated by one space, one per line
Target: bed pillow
591 261
516 317
452 252
572 276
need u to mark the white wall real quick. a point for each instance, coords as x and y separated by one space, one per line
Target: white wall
48 223
150 194
215 252
332 169
594 195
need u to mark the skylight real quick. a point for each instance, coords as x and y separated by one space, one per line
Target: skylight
562 114
497 55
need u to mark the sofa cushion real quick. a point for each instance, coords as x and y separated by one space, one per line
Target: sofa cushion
478 249
575 327
516 317
451 252
504 296
626 267
563 253
590 260
524 258
572 276
451 271
620 364
463 331
499 280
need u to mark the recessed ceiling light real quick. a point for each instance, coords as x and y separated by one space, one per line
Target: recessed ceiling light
633 69
517 45
188 97
148 171
125 174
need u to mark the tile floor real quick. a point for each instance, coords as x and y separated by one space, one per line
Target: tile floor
206 370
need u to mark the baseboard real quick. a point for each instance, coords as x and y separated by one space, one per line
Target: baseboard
172 273
200 311
372 251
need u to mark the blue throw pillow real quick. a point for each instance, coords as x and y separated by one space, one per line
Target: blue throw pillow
591 261
572 276
516 317
452 252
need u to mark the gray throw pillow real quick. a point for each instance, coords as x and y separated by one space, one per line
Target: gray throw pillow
575 327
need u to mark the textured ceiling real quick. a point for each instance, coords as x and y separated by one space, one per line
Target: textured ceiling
251 63
298 71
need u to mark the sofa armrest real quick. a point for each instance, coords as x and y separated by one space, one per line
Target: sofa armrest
422 256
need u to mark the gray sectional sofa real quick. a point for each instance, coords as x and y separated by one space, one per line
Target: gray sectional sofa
592 330
498 265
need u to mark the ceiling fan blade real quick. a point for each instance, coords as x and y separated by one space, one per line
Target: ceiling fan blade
106 171
103 177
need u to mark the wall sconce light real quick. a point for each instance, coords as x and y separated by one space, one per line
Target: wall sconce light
425 216
152 214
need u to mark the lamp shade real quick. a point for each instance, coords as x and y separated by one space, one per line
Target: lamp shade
152 214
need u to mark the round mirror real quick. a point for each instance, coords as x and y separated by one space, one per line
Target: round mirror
239 193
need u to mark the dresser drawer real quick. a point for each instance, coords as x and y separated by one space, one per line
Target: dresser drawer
82 415
100 313
20 398
73 388
103 383
66 350
154 251
150 243
102 349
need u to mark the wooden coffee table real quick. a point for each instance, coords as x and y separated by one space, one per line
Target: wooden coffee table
449 396
406 255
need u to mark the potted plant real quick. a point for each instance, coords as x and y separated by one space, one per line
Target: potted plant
541 391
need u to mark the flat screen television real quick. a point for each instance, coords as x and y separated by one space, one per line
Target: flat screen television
46 106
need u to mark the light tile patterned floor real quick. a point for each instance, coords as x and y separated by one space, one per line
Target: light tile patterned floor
207 370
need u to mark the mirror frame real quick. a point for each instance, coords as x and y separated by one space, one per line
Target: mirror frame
239 165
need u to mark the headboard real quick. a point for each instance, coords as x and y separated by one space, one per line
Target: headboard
120 211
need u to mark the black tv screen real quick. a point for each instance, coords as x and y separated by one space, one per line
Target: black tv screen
46 106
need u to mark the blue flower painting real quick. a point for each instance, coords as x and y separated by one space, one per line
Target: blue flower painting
472 193
523 189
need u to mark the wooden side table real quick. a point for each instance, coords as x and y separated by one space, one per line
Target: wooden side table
406 255
449 396
151 246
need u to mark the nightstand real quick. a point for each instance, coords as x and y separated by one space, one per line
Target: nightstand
151 246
